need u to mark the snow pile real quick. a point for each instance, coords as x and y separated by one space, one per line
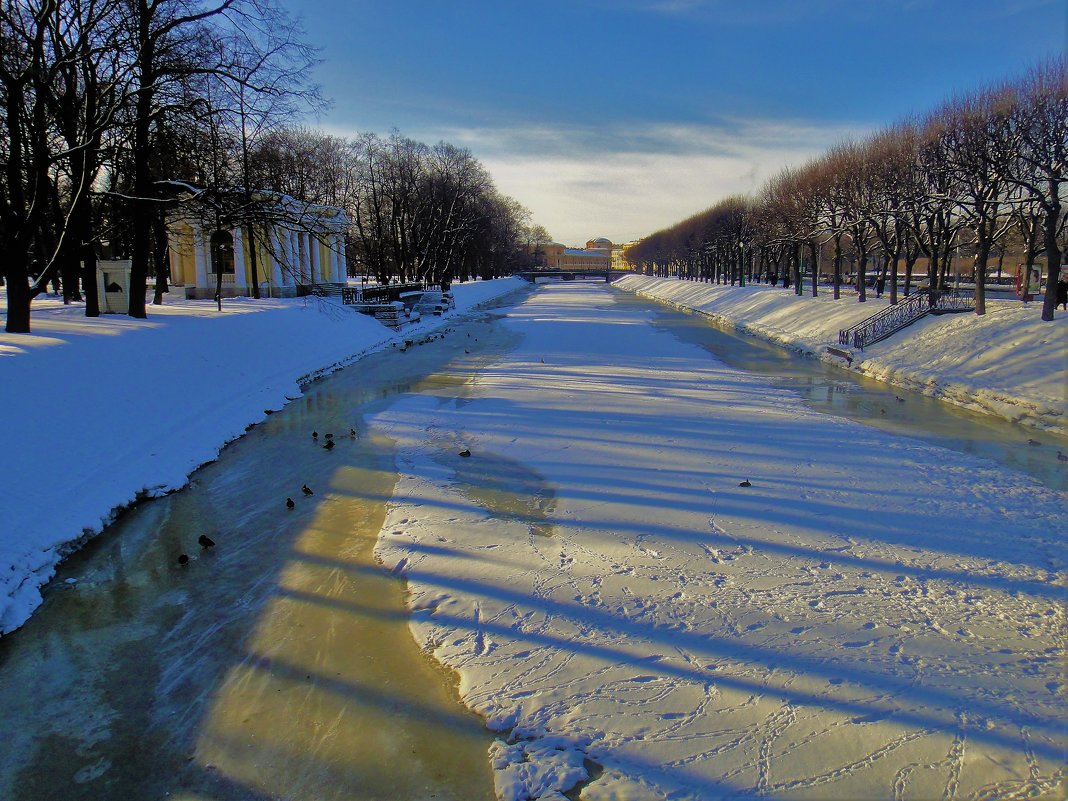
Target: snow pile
671 570
542 770
1008 362
101 412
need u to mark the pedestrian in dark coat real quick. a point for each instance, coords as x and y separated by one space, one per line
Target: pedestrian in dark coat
1062 292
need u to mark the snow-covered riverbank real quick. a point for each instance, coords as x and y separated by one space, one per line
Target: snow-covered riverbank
1007 363
99 412
669 569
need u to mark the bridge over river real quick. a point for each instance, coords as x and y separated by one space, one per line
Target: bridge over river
572 275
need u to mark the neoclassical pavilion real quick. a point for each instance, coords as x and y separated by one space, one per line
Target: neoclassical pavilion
297 244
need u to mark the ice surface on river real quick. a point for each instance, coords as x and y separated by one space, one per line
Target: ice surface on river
872 617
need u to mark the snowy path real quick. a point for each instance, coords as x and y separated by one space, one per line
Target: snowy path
872 618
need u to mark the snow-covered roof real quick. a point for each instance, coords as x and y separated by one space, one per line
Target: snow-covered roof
287 210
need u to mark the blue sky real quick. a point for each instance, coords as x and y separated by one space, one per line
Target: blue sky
619 118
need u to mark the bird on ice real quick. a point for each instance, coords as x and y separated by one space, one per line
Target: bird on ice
206 541
306 489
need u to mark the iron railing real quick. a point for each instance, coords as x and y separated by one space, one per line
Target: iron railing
904 313
352 296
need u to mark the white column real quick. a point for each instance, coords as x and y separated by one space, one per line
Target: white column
239 258
174 254
343 268
315 274
302 244
278 254
201 258
293 260
277 251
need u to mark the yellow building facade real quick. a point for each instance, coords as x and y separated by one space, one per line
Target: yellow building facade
596 255
298 245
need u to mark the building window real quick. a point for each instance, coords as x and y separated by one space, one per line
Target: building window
222 253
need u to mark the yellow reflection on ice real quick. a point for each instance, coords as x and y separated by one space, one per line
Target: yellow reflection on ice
333 698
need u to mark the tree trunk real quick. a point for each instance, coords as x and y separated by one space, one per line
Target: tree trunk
837 266
880 281
92 298
798 280
862 272
218 286
1053 253
932 264
814 252
250 248
159 255
982 256
83 257
70 270
895 257
140 214
18 295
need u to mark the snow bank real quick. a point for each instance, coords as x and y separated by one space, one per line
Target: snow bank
1007 363
100 412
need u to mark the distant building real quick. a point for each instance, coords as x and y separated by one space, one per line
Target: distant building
596 255
619 261
600 245
297 244
546 255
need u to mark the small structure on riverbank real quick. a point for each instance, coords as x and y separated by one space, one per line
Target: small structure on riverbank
113 285
233 240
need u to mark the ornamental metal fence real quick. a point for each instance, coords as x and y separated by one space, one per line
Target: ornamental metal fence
904 313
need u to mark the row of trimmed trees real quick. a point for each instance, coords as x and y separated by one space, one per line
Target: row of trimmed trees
982 172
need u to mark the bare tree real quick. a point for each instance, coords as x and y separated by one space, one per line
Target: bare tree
1041 125
232 40
858 207
978 149
27 73
892 154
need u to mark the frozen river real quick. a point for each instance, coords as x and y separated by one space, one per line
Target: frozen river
872 612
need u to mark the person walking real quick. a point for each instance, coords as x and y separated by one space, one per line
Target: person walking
1062 293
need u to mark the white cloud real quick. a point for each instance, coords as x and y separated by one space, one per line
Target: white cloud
768 12
624 181
582 183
